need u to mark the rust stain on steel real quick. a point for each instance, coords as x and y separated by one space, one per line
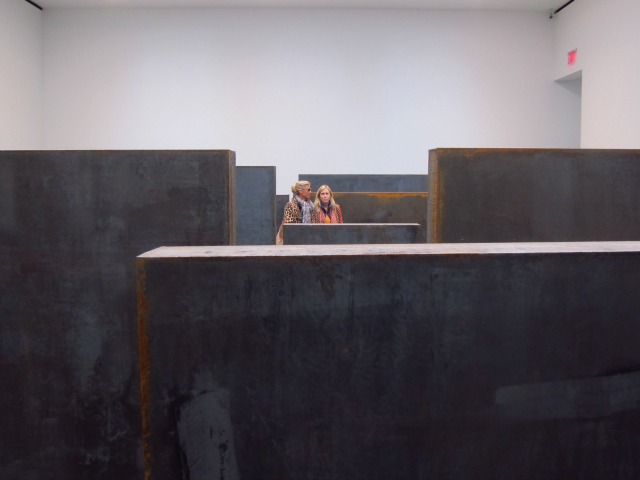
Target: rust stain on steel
389 195
435 199
472 152
145 363
374 200
377 195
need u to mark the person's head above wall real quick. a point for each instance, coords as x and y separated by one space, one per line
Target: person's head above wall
324 195
302 188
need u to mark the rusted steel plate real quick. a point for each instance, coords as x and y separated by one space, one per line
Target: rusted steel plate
369 182
422 361
522 195
71 225
350 233
388 207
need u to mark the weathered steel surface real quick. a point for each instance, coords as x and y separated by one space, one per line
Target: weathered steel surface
71 225
378 207
399 361
505 195
350 233
255 205
368 183
281 201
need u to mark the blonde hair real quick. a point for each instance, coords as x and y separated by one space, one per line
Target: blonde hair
317 202
299 185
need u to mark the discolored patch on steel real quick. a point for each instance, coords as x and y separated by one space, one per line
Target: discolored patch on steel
369 182
385 207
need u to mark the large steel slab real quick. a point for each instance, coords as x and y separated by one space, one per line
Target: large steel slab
349 233
71 226
393 361
368 182
515 195
385 207
255 205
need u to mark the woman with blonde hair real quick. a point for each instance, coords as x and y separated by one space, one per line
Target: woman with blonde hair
327 209
299 209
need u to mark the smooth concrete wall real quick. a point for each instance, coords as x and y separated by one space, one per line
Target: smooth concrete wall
71 226
255 205
533 195
368 183
21 57
364 91
349 233
395 361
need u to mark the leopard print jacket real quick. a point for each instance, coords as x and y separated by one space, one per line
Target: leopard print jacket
293 213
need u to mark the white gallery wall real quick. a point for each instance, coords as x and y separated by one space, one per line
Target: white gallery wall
20 76
338 91
605 34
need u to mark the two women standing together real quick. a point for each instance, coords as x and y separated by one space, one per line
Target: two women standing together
300 209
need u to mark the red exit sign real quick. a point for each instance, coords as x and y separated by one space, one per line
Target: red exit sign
571 57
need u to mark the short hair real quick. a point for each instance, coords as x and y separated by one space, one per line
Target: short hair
332 202
299 185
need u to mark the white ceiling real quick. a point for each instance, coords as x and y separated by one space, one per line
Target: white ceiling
515 5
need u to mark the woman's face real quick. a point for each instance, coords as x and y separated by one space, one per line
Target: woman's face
305 192
325 196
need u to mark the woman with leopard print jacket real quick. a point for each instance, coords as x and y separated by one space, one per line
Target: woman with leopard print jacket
299 209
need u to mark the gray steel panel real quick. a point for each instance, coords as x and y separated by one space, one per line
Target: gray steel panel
398 361
521 195
255 205
71 225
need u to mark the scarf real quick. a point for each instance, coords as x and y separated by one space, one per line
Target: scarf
307 209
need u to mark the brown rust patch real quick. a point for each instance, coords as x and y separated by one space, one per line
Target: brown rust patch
435 198
382 196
